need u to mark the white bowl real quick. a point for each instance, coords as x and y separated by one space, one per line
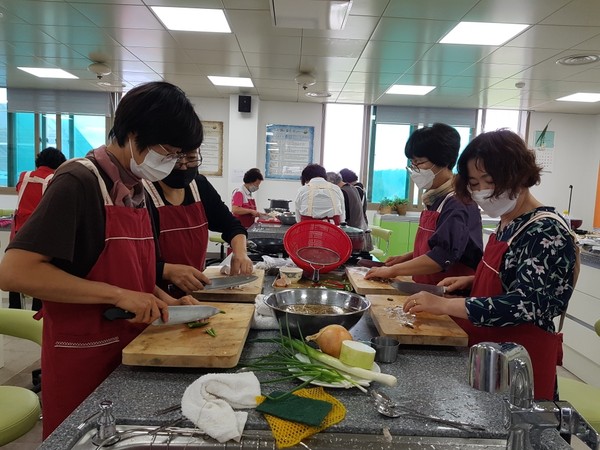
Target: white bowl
294 274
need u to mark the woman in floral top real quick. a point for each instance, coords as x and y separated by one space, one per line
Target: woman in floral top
526 276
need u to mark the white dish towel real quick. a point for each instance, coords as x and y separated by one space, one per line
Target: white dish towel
210 401
226 265
264 317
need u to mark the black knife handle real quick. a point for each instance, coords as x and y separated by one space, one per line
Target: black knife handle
118 313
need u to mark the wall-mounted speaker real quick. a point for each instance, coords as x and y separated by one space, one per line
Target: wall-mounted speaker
244 103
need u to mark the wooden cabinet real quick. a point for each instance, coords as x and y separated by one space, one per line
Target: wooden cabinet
581 344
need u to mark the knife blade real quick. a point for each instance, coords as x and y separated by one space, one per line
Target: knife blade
177 314
409 288
229 281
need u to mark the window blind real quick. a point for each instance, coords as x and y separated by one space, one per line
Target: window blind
413 115
57 101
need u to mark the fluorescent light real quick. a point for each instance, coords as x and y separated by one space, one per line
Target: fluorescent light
409 89
483 33
231 81
47 73
588 97
192 19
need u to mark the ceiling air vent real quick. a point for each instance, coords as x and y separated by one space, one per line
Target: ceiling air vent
578 60
310 14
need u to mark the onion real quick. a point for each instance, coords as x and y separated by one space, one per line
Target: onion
330 338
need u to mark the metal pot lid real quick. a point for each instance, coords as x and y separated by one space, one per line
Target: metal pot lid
351 231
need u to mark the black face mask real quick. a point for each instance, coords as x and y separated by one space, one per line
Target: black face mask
178 179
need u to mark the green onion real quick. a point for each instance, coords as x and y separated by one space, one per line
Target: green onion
196 324
211 332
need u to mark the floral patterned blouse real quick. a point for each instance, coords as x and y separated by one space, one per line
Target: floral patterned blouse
536 273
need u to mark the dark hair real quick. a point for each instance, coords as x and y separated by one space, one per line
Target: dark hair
50 157
312 171
505 157
349 176
159 113
438 143
252 175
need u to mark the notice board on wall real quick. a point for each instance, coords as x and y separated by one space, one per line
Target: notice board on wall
212 149
289 149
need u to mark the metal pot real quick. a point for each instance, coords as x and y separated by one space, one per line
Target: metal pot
268 246
287 218
357 237
280 204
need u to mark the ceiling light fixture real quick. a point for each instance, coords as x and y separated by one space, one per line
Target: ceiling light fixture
482 33
48 73
319 94
230 81
192 19
100 69
310 14
585 97
578 60
305 79
409 89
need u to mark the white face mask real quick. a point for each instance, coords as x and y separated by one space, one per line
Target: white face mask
494 206
253 188
423 178
154 167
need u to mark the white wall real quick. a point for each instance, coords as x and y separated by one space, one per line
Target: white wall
576 159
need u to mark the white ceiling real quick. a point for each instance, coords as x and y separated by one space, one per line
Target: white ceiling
384 42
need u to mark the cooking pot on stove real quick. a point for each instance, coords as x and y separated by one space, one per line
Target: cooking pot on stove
361 240
287 218
280 204
267 246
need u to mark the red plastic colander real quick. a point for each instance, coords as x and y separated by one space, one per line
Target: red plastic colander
317 245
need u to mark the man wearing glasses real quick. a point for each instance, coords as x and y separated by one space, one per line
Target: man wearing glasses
184 206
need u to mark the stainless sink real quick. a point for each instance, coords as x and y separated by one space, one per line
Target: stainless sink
144 438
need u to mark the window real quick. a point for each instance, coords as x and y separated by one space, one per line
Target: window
343 138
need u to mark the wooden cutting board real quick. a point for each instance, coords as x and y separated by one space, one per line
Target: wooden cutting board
245 293
356 275
429 329
181 346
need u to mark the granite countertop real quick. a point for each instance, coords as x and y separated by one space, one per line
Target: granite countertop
433 379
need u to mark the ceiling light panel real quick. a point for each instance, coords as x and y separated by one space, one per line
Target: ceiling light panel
586 97
231 81
409 89
47 73
192 19
483 33
310 14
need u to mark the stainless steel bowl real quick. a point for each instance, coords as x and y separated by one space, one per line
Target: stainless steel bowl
306 311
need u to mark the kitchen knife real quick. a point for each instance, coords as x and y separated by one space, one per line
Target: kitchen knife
409 288
227 282
177 314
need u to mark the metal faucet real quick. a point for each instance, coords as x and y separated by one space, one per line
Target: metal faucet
506 367
106 426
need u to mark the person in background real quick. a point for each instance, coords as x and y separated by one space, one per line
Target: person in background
352 203
529 267
349 176
449 240
243 205
30 188
184 207
89 246
318 198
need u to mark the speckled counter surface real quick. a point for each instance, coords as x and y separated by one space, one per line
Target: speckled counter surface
433 379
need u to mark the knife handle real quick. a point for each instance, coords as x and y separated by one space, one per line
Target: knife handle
118 313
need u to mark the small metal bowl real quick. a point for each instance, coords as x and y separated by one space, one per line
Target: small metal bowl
306 311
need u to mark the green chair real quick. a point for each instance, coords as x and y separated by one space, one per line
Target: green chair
381 242
19 407
217 239
584 397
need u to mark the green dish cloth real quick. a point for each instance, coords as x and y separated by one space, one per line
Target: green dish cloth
297 409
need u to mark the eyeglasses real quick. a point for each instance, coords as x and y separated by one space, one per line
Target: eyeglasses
190 160
415 166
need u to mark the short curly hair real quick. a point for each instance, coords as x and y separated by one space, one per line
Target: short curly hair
50 157
312 171
349 176
438 143
505 157
252 175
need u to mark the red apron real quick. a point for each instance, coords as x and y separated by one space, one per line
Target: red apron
80 347
334 220
427 226
544 348
247 220
183 235
31 188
